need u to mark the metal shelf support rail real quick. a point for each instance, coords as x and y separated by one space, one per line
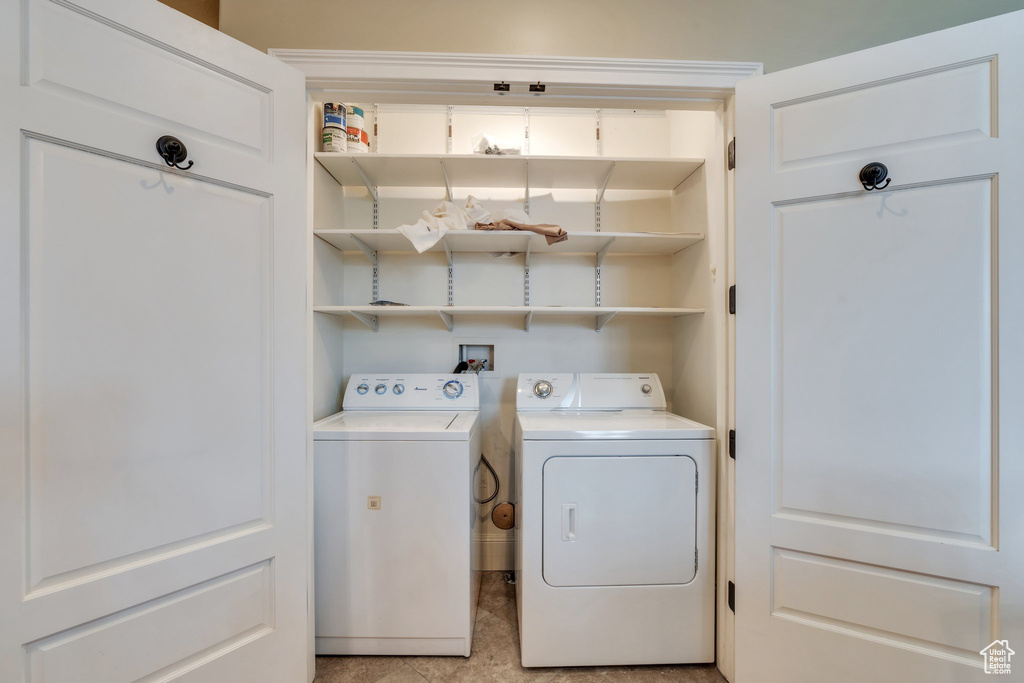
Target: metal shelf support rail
451 114
526 185
526 130
600 197
371 254
451 275
372 188
526 275
376 128
599 260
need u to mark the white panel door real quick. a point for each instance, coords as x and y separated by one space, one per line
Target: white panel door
880 384
153 487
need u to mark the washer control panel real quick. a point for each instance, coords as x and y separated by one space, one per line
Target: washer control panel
412 392
589 391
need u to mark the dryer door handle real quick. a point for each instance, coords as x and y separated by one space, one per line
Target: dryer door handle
569 516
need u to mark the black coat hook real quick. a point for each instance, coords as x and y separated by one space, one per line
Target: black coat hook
873 174
173 152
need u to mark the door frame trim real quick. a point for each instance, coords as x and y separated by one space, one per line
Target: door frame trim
433 78
464 78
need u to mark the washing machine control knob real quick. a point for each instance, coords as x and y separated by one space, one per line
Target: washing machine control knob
542 389
646 389
381 389
362 389
452 389
399 389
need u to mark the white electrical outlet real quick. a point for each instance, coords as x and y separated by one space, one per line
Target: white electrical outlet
373 502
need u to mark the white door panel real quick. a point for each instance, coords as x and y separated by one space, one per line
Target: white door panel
935 118
235 112
879 536
935 108
152 632
889 602
152 414
216 96
870 313
106 345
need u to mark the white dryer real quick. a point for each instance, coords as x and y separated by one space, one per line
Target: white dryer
393 517
615 522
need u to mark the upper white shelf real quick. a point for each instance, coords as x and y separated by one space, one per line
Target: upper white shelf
483 241
483 170
602 314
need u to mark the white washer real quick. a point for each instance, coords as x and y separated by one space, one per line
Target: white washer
393 517
615 521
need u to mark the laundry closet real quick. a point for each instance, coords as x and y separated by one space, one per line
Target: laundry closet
633 288
636 287
640 285
822 264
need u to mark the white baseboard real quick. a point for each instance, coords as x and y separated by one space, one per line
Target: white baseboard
496 553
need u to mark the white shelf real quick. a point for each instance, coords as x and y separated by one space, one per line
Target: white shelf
601 314
482 170
516 241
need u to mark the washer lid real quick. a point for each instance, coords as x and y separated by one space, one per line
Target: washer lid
406 425
610 424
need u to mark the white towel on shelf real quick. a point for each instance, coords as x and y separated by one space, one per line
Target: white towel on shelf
486 143
428 230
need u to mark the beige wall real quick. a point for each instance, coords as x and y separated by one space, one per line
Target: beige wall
206 11
779 33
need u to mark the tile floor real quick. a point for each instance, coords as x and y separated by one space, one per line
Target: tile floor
495 657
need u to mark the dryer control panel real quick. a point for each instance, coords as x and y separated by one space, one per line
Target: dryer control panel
589 391
366 391
550 391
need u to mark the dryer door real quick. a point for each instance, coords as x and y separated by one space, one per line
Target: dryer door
620 521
